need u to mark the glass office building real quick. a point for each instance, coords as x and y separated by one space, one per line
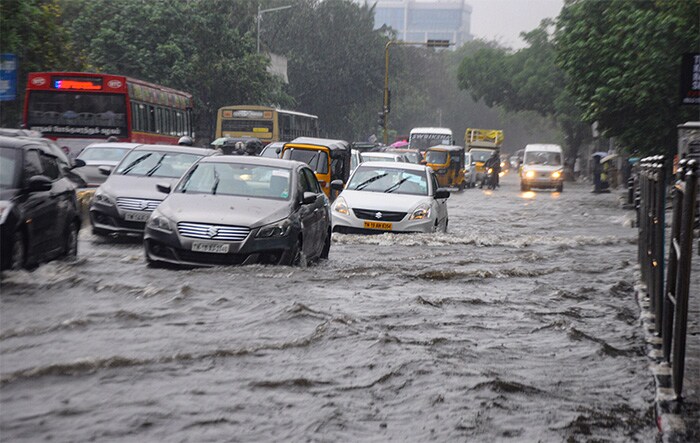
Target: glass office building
423 20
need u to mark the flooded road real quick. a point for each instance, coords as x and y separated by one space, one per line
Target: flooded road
519 324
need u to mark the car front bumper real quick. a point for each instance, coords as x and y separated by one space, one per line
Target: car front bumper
541 181
173 248
351 224
111 220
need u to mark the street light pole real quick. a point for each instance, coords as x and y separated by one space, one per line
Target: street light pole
259 18
385 110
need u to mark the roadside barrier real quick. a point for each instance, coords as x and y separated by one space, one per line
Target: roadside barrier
675 307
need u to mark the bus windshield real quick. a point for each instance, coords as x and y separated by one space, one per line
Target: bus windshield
424 141
77 113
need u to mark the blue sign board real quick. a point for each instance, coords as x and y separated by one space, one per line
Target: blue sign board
8 77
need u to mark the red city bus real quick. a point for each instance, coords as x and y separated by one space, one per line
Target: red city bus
78 108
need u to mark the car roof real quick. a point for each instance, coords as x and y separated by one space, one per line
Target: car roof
121 145
254 160
397 165
177 148
429 130
543 147
327 142
19 142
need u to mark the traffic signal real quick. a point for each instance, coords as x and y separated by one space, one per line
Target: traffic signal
381 119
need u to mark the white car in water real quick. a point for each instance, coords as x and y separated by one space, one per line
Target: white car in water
390 197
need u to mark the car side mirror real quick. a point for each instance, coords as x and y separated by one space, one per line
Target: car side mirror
308 198
337 185
105 170
78 163
442 193
39 183
278 150
165 188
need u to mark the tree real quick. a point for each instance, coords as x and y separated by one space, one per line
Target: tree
202 47
32 30
622 58
526 80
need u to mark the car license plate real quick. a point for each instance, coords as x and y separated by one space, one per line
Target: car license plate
215 248
137 216
378 225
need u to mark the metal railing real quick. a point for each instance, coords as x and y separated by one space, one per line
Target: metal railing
675 305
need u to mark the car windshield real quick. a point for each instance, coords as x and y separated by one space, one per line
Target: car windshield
436 157
424 141
546 158
481 155
8 168
103 154
237 179
156 163
316 159
389 180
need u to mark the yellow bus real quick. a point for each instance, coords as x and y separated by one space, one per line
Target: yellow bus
265 123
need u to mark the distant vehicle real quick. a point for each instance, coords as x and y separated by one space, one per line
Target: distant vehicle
383 157
482 143
272 150
264 122
330 159
412 155
542 167
78 108
39 211
423 138
365 146
101 154
448 163
238 145
390 197
282 216
123 203
469 170
517 158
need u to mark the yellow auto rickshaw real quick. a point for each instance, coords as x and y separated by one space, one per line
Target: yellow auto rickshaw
330 159
448 163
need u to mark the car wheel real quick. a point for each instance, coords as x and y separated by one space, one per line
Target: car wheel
99 232
560 187
326 246
71 248
18 257
461 186
524 187
447 221
294 256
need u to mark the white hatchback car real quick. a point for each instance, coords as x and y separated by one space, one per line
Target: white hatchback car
390 197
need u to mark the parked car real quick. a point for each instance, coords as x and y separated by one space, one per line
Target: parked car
123 203
230 210
383 157
39 211
395 197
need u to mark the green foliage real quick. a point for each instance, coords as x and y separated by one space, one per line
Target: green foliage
202 47
32 30
623 62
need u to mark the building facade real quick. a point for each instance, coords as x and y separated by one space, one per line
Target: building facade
423 20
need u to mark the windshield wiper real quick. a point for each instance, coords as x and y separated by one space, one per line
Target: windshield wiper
156 166
216 182
395 186
133 164
368 181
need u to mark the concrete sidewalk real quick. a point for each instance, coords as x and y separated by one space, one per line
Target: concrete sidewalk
678 421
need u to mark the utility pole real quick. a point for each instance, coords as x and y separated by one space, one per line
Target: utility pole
259 18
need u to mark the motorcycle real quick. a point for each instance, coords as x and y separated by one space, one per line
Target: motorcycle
489 179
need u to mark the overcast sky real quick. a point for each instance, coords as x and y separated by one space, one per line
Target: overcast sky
504 20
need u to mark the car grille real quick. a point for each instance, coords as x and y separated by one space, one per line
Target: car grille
137 204
371 214
213 232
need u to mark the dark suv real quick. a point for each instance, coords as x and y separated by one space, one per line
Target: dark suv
39 211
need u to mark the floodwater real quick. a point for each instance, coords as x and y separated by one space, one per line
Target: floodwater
519 324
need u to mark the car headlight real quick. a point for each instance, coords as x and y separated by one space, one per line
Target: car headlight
556 174
341 206
277 229
160 222
530 174
102 198
5 209
421 212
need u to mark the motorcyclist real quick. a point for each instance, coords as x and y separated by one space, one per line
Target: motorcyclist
494 163
185 141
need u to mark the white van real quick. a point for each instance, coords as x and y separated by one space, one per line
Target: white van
543 167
